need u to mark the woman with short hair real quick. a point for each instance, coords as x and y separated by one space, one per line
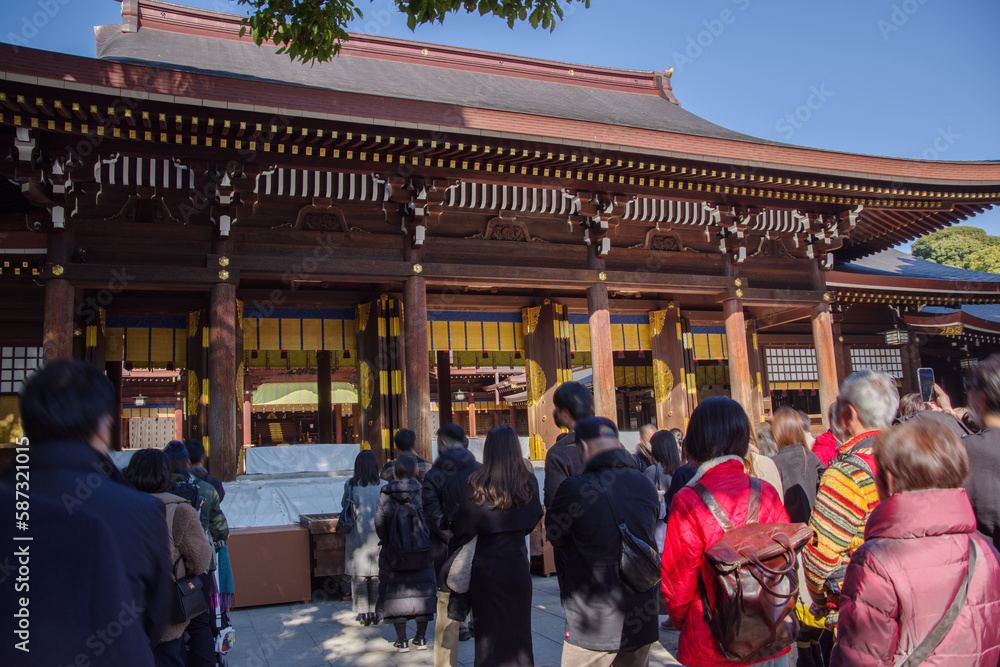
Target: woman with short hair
500 506
918 550
149 471
718 439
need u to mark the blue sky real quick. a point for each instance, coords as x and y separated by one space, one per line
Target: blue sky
901 78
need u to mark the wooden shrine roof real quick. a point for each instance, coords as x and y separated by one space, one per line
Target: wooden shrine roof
549 133
896 277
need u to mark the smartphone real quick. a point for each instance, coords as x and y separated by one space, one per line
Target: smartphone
926 378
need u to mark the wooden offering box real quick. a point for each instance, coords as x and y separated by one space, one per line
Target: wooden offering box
326 546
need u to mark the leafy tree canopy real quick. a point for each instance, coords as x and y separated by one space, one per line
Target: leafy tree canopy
310 30
962 247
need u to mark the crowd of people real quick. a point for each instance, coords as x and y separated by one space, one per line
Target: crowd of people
874 543
111 552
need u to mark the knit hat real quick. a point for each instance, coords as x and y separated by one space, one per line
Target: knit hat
176 451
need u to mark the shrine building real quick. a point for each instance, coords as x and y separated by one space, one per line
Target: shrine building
261 252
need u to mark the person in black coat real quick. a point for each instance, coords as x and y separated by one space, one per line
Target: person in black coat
572 402
80 605
799 467
410 593
442 495
67 409
196 454
500 506
603 615
983 483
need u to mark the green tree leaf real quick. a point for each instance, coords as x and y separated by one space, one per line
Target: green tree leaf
955 246
314 30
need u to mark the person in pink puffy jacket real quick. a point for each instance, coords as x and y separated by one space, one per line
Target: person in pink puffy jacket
916 554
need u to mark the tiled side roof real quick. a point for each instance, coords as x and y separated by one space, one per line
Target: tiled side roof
355 73
900 264
986 311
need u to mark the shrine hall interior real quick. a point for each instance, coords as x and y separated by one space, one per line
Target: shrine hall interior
263 253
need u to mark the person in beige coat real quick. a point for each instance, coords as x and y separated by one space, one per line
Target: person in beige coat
190 550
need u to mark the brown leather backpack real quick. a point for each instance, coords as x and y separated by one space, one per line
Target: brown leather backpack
749 581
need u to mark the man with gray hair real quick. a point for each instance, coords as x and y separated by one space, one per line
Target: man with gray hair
866 405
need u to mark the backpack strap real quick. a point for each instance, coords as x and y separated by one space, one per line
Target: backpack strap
933 640
753 504
713 506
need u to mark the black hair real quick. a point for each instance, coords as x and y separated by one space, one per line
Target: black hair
575 399
365 469
196 451
718 427
66 400
665 451
405 439
405 467
454 434
149 471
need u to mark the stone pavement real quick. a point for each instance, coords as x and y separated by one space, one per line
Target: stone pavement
326 634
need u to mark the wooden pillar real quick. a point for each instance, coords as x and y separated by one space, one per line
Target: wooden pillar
758 390
381 410
178 420
839 353
338 423
113 369
222 388
247 421
826 362
418 390
910 356
669 388
739 364
444 387
546 366
513 416
57 336
324 400
602 364
472 417
57 326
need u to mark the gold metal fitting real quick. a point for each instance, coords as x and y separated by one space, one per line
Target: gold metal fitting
840 339
602 276
738 282
57 269
223 261
739 293
418 268
827 297
223 275
424 52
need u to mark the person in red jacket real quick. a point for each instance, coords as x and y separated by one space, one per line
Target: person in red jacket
826 444
717 439
915 557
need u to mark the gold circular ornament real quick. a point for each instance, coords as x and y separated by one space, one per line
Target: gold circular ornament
738 282
223 261
418 268
223 275
602 276
739 293
57 269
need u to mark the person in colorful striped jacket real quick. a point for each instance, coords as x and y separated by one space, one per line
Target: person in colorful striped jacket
867 404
